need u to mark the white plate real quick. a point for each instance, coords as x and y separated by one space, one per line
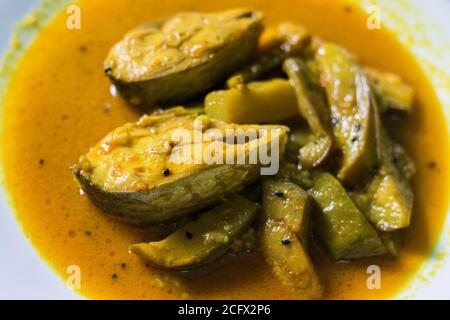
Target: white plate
23 275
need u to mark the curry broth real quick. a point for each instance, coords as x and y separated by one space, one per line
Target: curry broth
59 104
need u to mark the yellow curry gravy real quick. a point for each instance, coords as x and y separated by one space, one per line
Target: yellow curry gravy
59 104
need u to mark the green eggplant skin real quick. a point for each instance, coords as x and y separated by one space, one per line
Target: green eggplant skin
391 201
390 192
286 201
387 199
349 98
188 73
339 225
203 240
313 107
160 231
284 234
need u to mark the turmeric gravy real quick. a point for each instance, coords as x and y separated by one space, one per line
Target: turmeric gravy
59 103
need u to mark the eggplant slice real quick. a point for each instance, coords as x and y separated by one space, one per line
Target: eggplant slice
351 107
168 62
339 225
202 240
284 233
148 172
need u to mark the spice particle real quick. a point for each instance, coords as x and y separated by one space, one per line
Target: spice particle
279 194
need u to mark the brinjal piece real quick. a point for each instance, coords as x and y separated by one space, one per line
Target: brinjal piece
352 115
203 240
286 201
313 107
257 102
284 233
339 224
391 196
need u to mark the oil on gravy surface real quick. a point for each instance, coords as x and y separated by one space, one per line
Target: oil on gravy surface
59 104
